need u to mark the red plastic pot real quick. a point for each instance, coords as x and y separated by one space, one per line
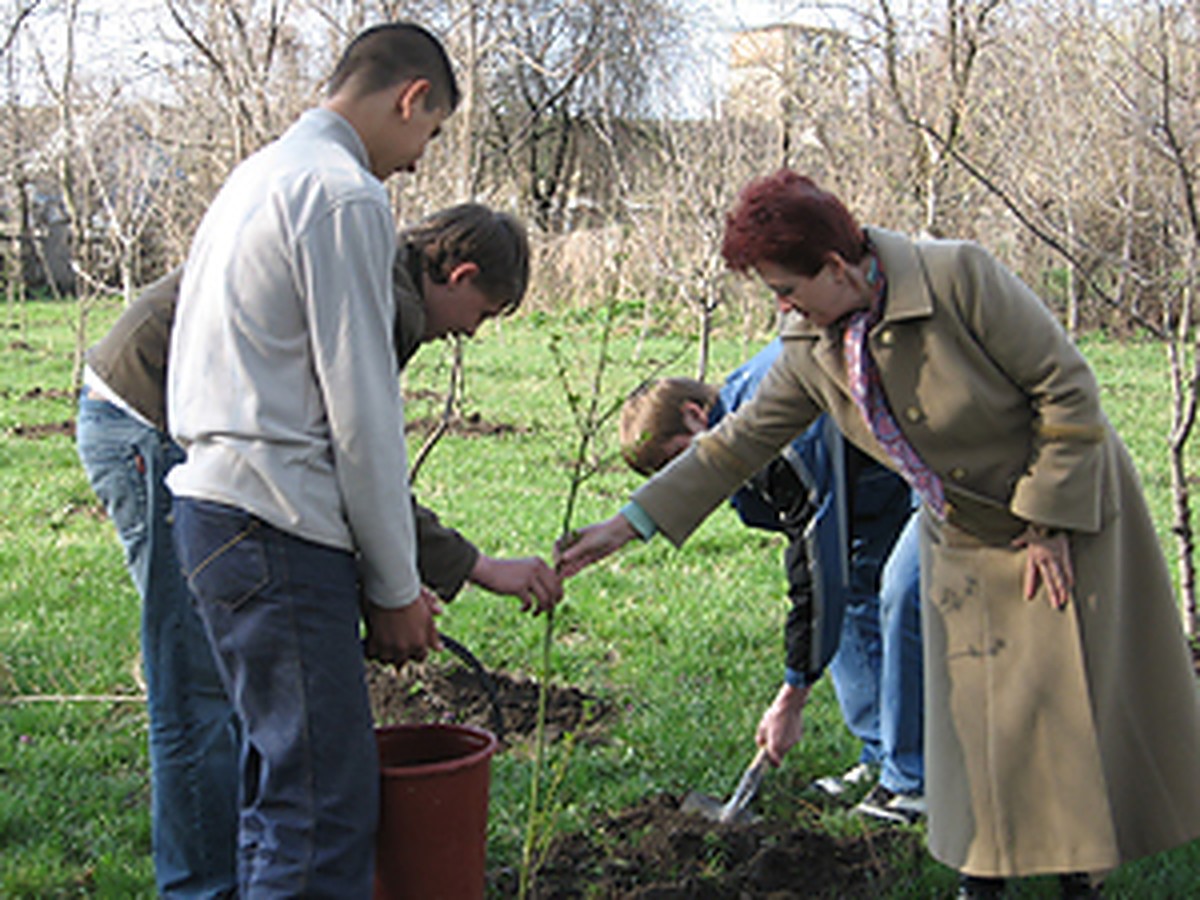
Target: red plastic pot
433 811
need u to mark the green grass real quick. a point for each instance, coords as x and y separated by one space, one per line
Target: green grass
686 645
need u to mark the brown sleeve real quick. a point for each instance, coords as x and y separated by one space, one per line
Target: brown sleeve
444 557
132 358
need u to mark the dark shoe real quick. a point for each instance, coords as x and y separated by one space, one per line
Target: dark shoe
903 809
972 888
1078 886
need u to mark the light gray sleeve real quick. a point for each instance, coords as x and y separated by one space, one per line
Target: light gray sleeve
345 265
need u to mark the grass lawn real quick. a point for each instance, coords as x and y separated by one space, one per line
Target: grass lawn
687 645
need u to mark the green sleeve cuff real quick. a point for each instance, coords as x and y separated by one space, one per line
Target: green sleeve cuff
641 522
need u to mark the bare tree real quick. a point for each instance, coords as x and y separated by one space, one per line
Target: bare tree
558 71
64 88
1166 54
14 178
254 58
703 164
23 10
931 85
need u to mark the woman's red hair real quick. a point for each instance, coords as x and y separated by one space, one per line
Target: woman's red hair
786 219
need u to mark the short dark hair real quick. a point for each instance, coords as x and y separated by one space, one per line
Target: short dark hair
471 232
392 53
786 219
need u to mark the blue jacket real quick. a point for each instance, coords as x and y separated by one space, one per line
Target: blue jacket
841 511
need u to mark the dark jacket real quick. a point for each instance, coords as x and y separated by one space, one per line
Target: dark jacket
838 536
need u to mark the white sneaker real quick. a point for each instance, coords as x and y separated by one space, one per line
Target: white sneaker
836 786
904 809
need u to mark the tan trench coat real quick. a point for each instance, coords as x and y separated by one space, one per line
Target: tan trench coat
1055 740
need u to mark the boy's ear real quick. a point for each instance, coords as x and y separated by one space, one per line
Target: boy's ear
695 417
411 93
464 271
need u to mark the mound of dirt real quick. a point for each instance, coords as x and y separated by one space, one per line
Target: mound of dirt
505 705
652 851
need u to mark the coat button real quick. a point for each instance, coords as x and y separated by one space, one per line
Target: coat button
958 473
913 414
887 338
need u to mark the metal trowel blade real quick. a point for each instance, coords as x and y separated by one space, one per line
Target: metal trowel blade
712 809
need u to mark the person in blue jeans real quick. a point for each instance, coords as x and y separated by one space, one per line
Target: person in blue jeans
293 509
126 452
194 737
853 579
193 733
876 674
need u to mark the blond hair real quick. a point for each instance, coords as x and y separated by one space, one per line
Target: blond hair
653 414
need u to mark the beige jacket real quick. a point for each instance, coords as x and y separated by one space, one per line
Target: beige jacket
1055 741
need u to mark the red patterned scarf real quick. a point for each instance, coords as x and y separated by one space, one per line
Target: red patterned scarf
868 397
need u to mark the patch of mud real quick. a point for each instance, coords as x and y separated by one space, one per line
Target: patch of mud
44 429
651 851
505 705
470 425
41 393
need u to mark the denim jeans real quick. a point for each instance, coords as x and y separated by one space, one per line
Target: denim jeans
283 615
193 732
878 671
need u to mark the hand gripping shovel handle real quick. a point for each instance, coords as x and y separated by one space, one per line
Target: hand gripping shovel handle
746 788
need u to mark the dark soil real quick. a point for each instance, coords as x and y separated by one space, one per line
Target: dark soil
470 425
437 692
44 429
650 851
41 393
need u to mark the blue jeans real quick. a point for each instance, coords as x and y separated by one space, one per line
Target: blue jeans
193 731
877 671
283 615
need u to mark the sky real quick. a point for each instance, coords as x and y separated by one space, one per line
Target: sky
755 13
123 37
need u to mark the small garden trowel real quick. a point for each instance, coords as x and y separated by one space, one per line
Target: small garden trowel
735 808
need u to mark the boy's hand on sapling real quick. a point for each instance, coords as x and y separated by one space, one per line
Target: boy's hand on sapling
529 579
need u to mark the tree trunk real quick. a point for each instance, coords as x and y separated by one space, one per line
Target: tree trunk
1185 394
1184 538
706 317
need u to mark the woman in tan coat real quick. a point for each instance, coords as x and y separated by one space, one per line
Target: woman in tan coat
1062 714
